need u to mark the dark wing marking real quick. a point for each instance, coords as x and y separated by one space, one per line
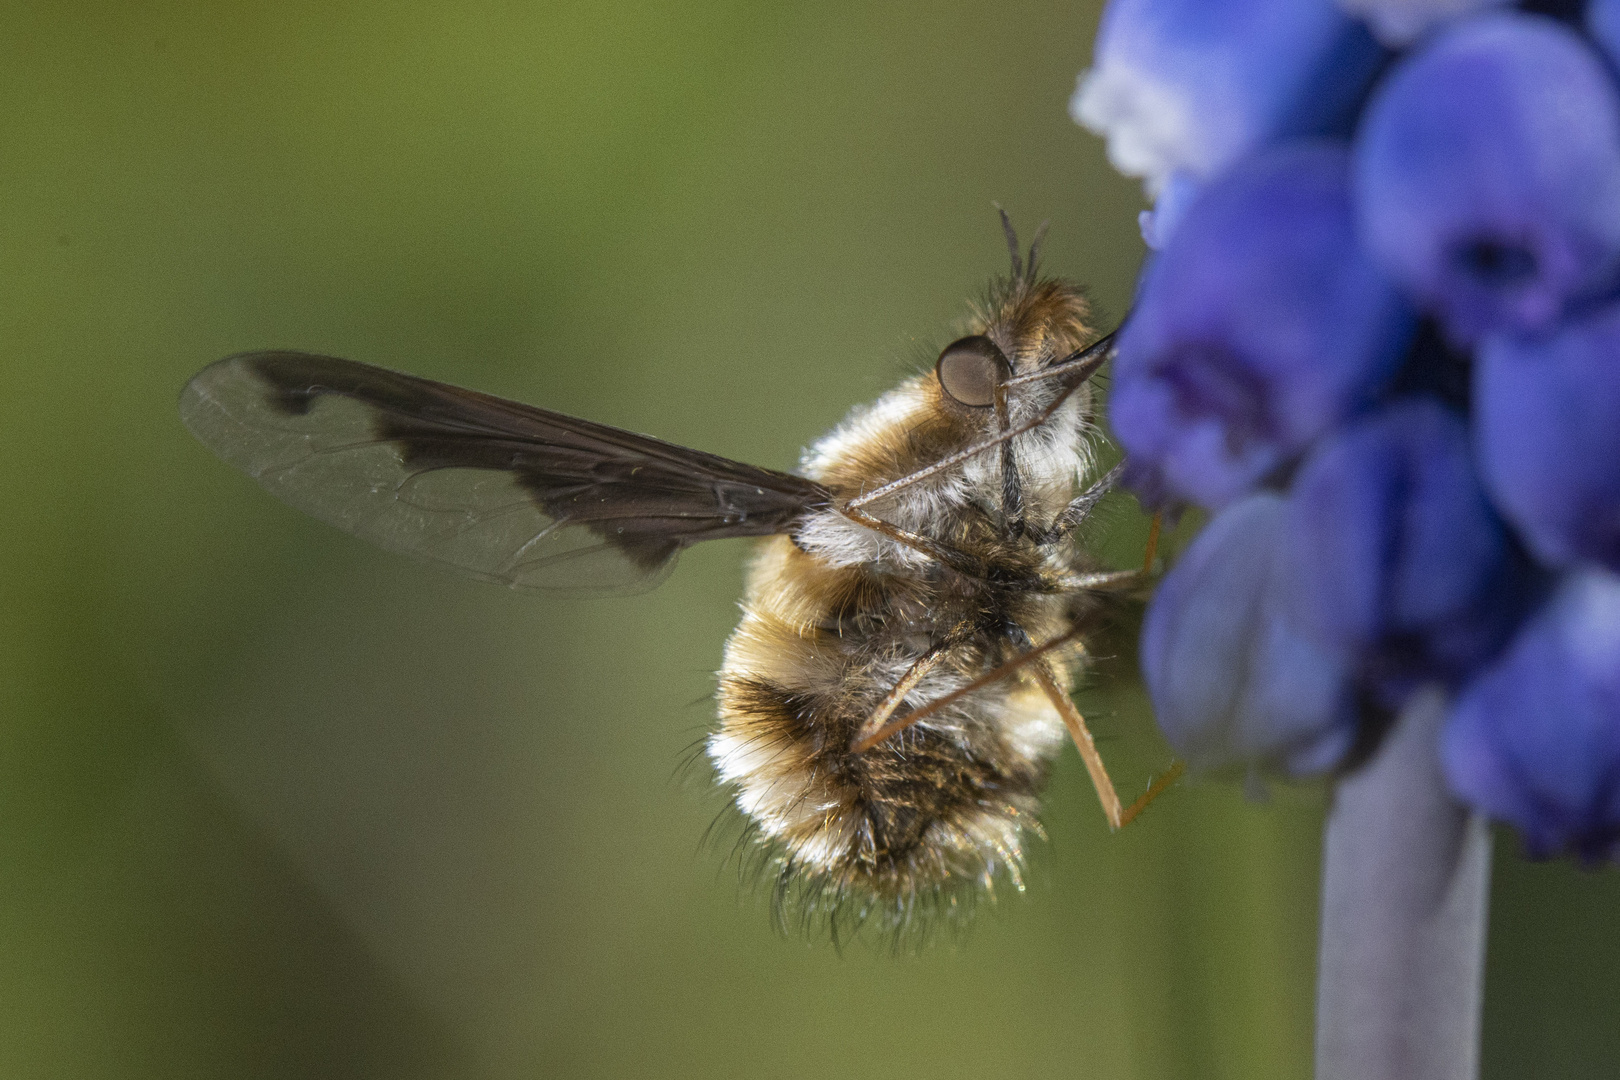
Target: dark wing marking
506 491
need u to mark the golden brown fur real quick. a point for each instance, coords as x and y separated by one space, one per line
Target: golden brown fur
834 615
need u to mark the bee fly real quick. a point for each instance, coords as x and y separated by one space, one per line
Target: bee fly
913 619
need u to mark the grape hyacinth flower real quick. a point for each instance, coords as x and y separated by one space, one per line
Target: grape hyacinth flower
1548 437
1235 678
1399 558
1379 338
1536 738
1488 175
1267 70
1270 346
1259 327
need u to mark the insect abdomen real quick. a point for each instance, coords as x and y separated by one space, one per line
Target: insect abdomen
941 805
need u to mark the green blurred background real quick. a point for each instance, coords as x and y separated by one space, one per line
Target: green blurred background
276 804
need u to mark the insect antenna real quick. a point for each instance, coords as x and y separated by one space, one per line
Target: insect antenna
1012 242
1022 269
1035 248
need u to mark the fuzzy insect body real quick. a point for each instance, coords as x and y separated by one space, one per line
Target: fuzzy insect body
899 682
836 615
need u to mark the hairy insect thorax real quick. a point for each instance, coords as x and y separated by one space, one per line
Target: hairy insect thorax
836 614
917 424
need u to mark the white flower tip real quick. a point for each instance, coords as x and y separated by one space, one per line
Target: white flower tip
1087 105
1144 125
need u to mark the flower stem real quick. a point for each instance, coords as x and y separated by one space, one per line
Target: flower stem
1405 881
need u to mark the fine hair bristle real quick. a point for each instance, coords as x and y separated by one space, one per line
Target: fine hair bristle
816 907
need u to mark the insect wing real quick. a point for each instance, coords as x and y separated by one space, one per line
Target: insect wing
505 491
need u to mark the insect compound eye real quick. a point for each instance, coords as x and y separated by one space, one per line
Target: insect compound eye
969 370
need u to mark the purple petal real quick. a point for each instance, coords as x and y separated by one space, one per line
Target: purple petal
1257 328
1157 224
1535 740
1398 556
1488 174
1548 434
1192 86
1233 680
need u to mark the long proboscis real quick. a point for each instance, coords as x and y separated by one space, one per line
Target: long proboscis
1079 365
1078 359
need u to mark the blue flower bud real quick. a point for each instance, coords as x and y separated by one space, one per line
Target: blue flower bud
1535 740
1233 680
1488 174
1258 327
1398 556
1192 86
1547 429
1398 23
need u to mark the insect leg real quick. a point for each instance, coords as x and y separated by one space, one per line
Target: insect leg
1112 809
1100 581
1076 723
1080 508
951 557
1012 484
1106 580
1118 816
1152 541
996 674
891 701
1155 789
